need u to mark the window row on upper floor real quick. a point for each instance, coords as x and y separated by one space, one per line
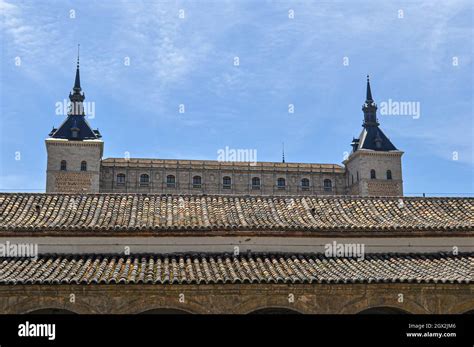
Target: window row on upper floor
226 182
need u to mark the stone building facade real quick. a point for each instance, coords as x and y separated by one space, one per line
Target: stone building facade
238 298
74 150
79 169
371 173
75 164
213 177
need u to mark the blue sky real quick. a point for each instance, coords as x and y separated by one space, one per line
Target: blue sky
417 51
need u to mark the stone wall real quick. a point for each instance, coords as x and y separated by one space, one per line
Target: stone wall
239 298
384 188
249 244
212 174
358 174
73 180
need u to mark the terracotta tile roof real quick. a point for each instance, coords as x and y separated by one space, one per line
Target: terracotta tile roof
224 268
135 213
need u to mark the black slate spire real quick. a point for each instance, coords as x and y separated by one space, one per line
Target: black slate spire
369 98
77 82
77 96
372 137
76 127
369 108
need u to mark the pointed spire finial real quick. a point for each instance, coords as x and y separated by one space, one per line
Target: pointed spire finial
369 92
369 108
77 81
78 46
77 96
283 152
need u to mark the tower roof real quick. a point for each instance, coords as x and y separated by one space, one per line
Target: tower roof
77 96
76 127
371 137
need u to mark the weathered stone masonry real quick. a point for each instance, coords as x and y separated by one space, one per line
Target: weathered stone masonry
239 298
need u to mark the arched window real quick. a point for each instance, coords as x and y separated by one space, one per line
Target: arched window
256 183
84 166
226 182
389 174
281 183
170 181
327 185
63 165
121 179
357 176
305 184
144 180
372 174
197 182
352 177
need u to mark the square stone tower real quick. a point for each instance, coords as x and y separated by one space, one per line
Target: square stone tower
374 168
74 150
73 166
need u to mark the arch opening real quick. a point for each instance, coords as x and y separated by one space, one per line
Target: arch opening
50 310
383 310
165 311
274 310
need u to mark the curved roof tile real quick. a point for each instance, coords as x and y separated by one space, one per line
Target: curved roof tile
177 269
37 213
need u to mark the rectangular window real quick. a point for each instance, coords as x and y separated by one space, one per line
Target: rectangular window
226 182
120 179
197 182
